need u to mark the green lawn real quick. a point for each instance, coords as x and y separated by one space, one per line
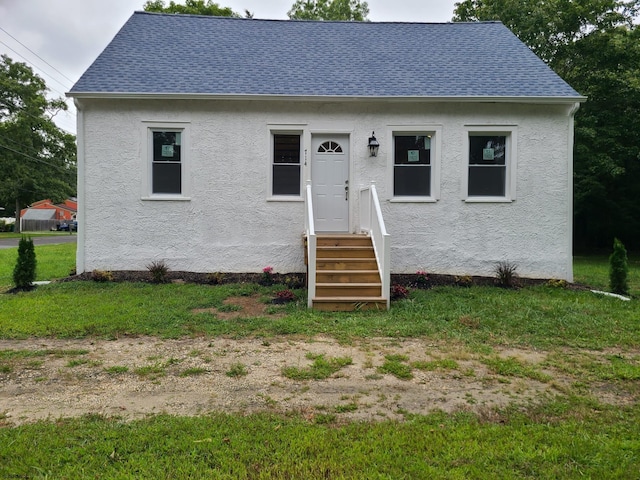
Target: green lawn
537 317
559 440
563 434
32 234
593 270
54 261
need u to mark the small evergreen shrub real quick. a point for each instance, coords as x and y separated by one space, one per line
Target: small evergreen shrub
24 272
159 271
216 278
463 280
619 269
557 283
101 276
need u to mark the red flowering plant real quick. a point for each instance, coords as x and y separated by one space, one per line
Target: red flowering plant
422 279
267 276
399 292
284 296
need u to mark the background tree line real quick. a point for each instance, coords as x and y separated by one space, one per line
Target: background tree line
37 158
595 46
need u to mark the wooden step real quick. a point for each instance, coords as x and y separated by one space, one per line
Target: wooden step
334 240
347 264
347 276
348 290
349 304
345 252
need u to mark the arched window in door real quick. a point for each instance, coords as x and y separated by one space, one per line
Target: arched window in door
330 147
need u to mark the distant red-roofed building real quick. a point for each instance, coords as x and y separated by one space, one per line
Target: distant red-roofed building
62 211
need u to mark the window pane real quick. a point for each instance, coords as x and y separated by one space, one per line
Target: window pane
167 178
487 150
166 146
412 149
286 149
412 180
286 180
487 181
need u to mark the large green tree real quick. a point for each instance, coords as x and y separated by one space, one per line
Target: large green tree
37 158
595 46
192 7
347 10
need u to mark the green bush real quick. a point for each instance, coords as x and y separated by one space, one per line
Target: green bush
159 271
618 269
24 272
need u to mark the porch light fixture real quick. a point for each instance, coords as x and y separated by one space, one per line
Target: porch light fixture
373 145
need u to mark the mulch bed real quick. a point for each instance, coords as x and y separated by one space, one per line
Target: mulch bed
298 280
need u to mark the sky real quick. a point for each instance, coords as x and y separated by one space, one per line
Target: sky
60 39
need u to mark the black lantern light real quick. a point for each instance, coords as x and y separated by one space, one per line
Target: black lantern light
373 145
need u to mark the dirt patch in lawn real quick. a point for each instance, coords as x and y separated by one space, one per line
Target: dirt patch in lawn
373 379
239 307
369 379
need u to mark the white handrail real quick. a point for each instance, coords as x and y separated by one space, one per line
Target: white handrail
310 232
371 221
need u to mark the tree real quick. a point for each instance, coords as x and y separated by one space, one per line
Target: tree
619 269
595 46
549 27
37 158
192 7
606 68
24 273
347 10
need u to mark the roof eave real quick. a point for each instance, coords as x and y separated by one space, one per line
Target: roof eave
328 98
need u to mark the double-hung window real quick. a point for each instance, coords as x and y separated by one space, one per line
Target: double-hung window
415 164
286 166
491 166
166 165
166 159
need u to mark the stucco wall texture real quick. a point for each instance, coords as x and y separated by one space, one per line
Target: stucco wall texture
228 222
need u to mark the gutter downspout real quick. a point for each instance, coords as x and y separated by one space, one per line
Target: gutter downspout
570 146
80 214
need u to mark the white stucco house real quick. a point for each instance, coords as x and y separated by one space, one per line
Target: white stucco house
198 137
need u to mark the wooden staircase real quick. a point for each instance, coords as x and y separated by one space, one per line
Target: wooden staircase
347 275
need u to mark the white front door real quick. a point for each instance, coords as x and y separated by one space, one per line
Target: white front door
330 182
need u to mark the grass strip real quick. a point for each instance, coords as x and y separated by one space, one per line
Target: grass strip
320 369
562 439
537 317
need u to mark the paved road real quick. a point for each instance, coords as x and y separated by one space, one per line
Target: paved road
37 240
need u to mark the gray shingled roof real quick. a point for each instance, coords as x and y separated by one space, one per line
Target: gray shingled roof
185 54
39 214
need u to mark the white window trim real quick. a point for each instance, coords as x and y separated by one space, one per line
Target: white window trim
511 151
286 130
436 147
148 128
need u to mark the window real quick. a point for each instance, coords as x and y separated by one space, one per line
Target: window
412 165
165 159
285 175
166 164
490 165
330 147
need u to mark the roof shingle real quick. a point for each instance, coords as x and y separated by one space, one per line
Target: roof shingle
188 54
